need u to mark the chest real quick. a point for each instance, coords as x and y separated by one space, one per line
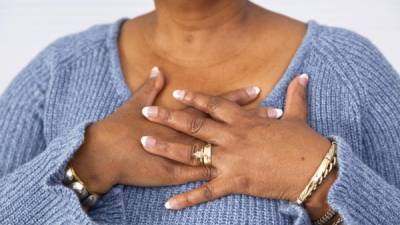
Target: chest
217 79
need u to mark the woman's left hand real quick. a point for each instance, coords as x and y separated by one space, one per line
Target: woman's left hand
253 155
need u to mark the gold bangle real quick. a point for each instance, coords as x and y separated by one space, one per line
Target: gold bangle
321 173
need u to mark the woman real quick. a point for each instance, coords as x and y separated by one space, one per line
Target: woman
224 132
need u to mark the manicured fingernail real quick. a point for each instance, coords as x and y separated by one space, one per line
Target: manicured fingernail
154 72
253 91
170 204
278 113
303 79
148 141
178 94
274 113
150 111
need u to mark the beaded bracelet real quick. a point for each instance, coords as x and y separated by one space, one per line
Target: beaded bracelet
75 183
338 221
321 173
326 217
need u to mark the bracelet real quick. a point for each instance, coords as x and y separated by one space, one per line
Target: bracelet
338 221
72 180
326 217
321 173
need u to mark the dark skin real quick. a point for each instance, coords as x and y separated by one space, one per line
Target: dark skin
236 46
252 154
205 42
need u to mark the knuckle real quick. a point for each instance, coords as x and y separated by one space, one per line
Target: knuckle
195 147
207 192
206 172
165 115
194 125
228 139
187 200
235 136
147 88
213 103
176 173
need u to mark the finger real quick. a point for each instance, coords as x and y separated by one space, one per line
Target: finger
202 128
183 174
212 190
242 96
195 112
169 173
179 152
267 112
217 107
296 105
148 91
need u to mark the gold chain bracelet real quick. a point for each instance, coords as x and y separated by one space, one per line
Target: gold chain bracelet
326 166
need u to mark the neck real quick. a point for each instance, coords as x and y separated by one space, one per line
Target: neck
198 14
190 31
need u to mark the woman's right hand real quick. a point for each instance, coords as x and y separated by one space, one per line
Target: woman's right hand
112 153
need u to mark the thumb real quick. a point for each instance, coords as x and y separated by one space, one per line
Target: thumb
147 93
296 105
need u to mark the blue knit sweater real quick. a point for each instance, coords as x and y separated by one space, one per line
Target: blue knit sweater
353 94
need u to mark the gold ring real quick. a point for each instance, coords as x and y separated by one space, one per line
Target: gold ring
204 154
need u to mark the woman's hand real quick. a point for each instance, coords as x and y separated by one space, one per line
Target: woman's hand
112 153
251 155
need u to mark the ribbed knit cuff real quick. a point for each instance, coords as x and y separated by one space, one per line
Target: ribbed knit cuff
35 194
359 194
297 213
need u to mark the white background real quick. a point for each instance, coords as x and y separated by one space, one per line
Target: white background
27 26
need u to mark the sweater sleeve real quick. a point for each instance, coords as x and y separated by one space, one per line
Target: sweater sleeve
31 169
367 190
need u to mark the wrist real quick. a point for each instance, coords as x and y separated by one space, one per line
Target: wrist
314 195
87 165
317 204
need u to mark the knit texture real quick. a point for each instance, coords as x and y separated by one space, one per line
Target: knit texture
353 95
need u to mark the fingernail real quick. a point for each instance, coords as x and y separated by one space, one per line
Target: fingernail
303 79
148 141
178 94
274 113
278 113
170 204
150 111
253 91
154 72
